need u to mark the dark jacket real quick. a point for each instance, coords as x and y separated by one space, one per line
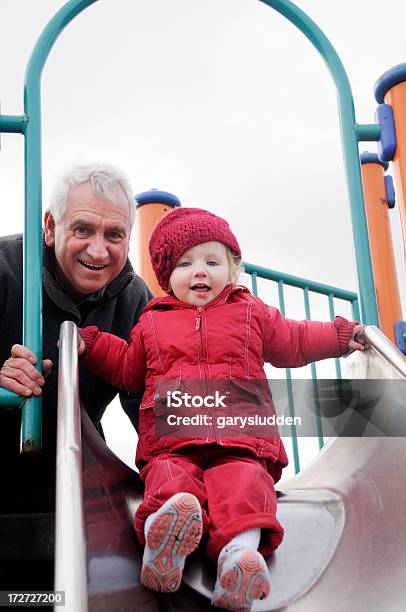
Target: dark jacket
115 309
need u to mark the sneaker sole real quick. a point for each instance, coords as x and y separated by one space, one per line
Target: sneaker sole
174 533
247 579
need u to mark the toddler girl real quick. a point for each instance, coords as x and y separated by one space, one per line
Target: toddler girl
208 333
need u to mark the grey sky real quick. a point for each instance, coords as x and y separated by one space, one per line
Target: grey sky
222 102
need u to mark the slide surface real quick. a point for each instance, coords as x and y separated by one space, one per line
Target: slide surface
344 520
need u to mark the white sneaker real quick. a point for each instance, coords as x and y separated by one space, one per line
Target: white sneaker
242 576
174 533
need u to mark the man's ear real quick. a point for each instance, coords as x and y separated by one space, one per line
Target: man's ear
49 229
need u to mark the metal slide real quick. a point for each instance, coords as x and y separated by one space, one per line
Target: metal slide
345 525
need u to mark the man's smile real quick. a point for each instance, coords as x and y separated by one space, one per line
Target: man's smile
90 266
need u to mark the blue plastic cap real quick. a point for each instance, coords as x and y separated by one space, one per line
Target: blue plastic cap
391 77
156 196
372 158
400 333
390 192
387 140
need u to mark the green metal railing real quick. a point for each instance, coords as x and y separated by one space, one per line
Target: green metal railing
306 286
29 124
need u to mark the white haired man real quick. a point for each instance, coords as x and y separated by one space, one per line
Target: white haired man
88 279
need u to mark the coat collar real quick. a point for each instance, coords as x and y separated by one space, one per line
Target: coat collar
170 302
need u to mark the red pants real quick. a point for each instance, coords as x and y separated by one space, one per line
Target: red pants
233 487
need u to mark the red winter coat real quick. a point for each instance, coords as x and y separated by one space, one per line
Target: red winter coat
178 346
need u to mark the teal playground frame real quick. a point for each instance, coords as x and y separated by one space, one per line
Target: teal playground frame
29 124
307 286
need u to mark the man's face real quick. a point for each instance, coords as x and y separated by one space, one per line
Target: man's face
92 240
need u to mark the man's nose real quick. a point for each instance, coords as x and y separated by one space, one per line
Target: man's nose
96 248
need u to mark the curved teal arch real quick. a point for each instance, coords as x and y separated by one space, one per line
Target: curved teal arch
351 133
30 125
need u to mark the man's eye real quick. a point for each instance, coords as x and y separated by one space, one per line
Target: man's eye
114 236
82 231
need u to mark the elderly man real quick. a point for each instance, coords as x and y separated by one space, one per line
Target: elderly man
88 279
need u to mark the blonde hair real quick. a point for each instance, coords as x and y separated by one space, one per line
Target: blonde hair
234 265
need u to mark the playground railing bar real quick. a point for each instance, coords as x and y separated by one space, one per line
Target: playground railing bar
307 286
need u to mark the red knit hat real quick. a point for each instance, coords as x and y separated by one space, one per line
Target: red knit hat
179 231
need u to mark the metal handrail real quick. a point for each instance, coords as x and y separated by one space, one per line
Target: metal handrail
70 546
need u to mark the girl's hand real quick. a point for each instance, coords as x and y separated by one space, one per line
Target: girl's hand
81 344
358 342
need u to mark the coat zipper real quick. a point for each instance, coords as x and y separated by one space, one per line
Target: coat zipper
198 318
201 356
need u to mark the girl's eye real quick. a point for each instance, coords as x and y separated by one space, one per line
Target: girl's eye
211 262
184 264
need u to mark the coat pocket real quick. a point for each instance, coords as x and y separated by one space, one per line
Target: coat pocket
153 413
164 390
252 410
246 395
247 389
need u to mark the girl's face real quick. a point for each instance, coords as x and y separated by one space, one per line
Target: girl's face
201 273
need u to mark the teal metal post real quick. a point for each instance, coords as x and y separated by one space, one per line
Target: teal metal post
289 388
368 132
355 311
349 139
313 370
332 317
32 320
13 124
30 124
